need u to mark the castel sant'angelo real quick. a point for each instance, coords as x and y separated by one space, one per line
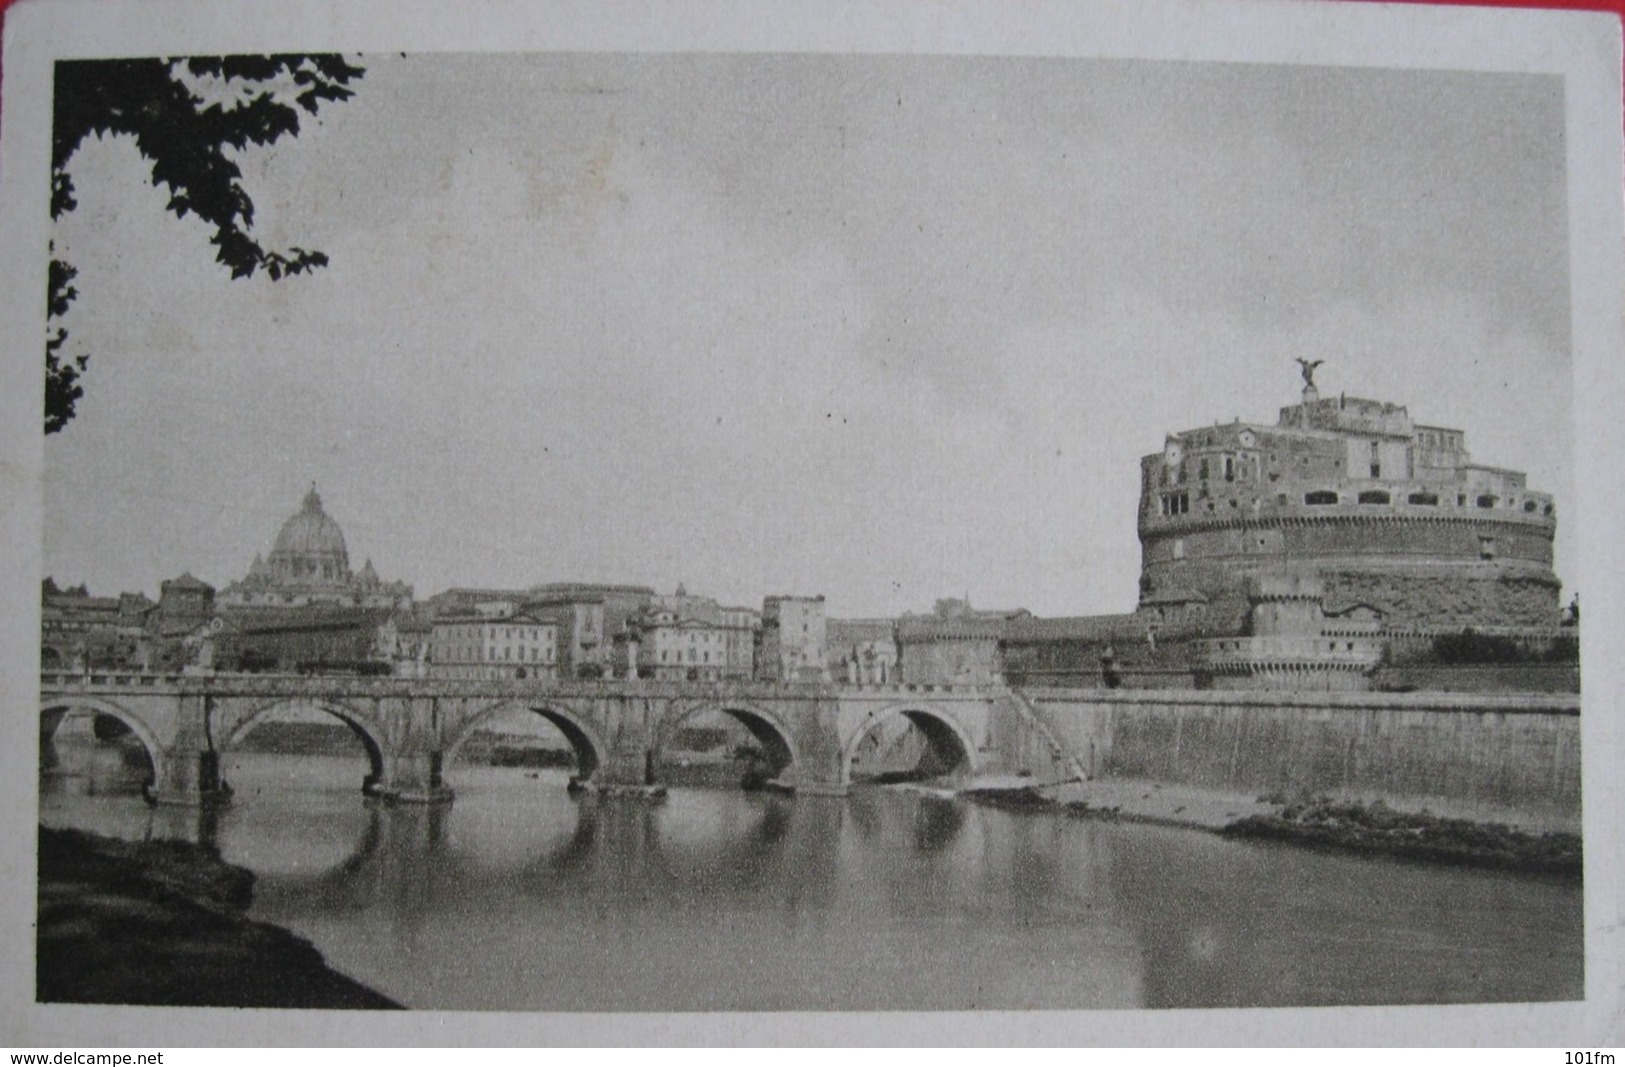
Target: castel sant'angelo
1389 514
1303 554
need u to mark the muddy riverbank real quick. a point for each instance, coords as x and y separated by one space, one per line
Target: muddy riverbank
1318 822
162 923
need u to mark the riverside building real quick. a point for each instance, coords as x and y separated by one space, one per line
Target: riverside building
1390 514
1308 553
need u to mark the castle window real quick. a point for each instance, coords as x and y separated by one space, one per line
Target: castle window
1230 468
1548 509
1486 547
1320 496
1487 500
1375 496
1202 470
1461 500
1430 499
1529 506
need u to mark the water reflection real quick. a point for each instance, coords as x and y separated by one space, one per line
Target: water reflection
520 896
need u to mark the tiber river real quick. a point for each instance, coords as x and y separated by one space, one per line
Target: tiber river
521 897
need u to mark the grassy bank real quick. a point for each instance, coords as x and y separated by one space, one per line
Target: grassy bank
162 923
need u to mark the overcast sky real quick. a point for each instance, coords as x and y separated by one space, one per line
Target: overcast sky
882 328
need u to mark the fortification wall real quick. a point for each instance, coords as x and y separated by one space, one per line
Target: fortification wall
1448 601
1502 758
1382 531
1408 594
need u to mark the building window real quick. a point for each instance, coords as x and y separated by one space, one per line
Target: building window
1487 500
1375 496
1529 506
1486 547
1320 496
1429 499
1201 471
1230 468
1376 463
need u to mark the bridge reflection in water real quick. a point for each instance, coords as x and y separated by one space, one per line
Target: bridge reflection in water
523 897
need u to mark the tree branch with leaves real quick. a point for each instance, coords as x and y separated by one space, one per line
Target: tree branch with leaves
191 140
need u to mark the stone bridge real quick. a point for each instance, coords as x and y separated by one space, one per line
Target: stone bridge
414 728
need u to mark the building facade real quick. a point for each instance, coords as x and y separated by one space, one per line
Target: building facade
741 629
482 646
793 639
677 647
82 632
586 617
684 636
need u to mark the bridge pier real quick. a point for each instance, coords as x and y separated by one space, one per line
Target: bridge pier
190 777
411 778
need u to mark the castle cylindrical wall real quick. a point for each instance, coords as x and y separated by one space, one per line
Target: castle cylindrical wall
1415 566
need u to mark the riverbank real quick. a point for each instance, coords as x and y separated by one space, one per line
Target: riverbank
162 923
1376 829
1319 822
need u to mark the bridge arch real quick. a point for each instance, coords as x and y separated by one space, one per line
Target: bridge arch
365 730
949 748
766 726
583 736
55 710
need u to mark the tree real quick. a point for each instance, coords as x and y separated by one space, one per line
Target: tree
191 143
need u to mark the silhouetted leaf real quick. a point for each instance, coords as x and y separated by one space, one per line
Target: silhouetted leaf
188 143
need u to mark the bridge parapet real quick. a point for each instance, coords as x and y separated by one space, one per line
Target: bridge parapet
365 686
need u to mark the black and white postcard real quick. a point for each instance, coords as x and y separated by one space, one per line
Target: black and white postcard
760 515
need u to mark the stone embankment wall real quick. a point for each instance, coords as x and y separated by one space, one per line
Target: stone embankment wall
1493 757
